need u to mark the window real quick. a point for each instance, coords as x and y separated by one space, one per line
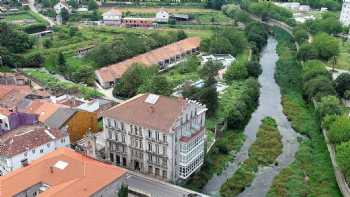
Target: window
33 151
63 140
164 138
25 154
157 148
157 135
150 147
149 134
123 138
164 174
41 150
48 145
122 125
164 150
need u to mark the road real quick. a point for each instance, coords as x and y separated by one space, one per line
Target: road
155 188
33 8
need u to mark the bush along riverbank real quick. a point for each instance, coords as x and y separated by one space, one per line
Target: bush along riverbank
263 152
242 93
311 173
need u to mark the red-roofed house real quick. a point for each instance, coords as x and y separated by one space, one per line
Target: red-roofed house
163 56
21 146
148 133
64 173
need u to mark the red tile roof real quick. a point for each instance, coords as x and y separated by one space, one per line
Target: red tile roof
115 71
25 138
44 109
10 95
81 177
161 116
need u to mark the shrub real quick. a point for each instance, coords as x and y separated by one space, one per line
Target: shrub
343 159
340 130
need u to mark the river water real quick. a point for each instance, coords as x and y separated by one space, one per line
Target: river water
269 105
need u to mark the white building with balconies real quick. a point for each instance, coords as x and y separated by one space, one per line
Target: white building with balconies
156 135
345 13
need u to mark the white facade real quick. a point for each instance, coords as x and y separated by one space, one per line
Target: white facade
8 164
112 17
59 6
162 16
170 156
345 13
4 123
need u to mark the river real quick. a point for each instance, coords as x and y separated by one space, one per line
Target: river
269 105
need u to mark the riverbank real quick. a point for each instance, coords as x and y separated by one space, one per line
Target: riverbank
269 105
263 152
311 173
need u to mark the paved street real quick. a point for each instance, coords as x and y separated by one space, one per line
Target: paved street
156 188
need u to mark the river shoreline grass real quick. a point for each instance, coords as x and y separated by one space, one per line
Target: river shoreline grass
311 173
263 152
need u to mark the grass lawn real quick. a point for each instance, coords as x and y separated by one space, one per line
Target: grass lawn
49 81
343 60
20 17
263 152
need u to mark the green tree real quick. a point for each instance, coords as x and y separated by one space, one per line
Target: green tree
236 71
327 46
47 43
132 80
61 63
254 68
84 74
123 191
92 5
329 105
65 15
318 87
210 70
181 35
220 45
15 41
342 84
343 159
340 130
301 35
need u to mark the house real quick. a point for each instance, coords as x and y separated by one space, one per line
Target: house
11 119
81 52
164 57
159 136
138 22
43 108
162 16
21 146
11 95
61 5
64 173
345 13
96 105
13 79
76 122
180 17
225 59
112 17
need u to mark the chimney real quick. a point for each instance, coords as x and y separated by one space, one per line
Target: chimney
152 109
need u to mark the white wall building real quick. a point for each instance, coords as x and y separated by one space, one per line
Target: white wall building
160 136
112 17
345 13
61 5
162 16
21 146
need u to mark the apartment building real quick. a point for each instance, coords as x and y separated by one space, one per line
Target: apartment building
160 136
345 13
